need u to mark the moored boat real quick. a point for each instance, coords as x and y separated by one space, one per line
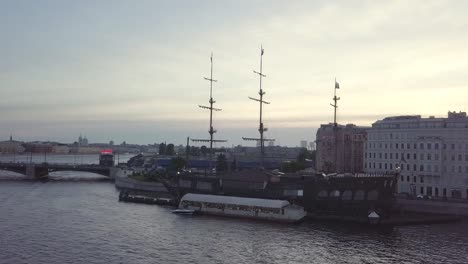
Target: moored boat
184 211
263 209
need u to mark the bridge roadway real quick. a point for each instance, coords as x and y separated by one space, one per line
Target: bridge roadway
42 170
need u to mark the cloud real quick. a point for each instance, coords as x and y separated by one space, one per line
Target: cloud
121 63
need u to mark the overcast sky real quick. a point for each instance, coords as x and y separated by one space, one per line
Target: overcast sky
133 70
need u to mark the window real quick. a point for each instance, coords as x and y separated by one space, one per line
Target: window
385 155
436 146
396 155
444 192
402 145
380 155
391 166
453 146
408 145
407 178
414 156
391 155
429 157
407 168
414 167
396 145
453 157
421 156
415 146
445 146
421 145
402 178
380 166
436 168
385 145
459 157
422 190
421 179
385 165
436 156
421 168
414 178
429 190
459 169
408 156
436 191
429 146
466 157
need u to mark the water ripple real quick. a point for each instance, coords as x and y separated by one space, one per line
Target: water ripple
82 222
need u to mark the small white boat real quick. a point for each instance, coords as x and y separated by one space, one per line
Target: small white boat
183 211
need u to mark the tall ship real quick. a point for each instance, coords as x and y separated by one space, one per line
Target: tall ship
354 197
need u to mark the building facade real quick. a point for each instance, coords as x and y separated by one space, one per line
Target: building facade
431 152
11 146
340 149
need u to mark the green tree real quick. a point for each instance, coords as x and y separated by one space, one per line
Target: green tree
194 151
170 149
204 150
292 166
162 149
177 163
221 163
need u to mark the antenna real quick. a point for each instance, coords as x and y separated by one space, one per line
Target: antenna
261 128
211 108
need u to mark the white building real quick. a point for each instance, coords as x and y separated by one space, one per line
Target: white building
432 153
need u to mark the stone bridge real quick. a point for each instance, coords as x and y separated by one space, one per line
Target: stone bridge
42 170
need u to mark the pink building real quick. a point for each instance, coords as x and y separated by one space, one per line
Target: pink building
340 149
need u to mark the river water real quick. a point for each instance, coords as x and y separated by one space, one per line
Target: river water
81 221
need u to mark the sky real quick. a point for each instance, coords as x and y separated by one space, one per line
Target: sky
133 70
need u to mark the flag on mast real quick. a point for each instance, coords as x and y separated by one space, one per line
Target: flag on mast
337 85
262 51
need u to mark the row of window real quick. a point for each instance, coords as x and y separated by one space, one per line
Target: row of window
422 146
414 156
455 193
408 167
222 206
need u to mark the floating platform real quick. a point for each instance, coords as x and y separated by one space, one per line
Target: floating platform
126 196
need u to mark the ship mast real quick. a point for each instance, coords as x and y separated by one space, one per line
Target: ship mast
261 128
335 125
212 131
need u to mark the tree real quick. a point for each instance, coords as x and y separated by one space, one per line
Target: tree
162 149
204 150
170 149
221 163
177 163
292 166
194 151
303 155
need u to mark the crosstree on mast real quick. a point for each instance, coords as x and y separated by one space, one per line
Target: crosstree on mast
212 131
261 128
